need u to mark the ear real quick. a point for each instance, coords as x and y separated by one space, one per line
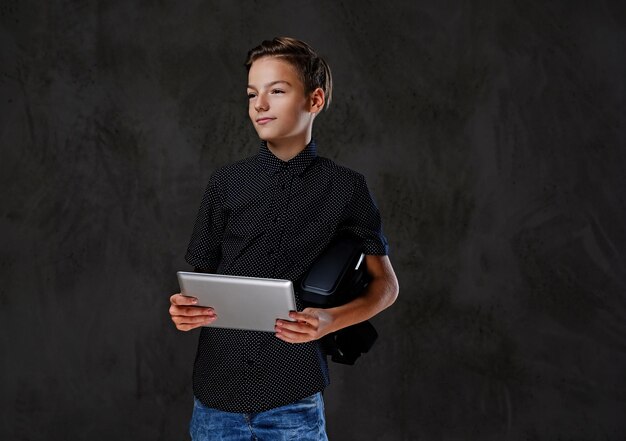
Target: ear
317 100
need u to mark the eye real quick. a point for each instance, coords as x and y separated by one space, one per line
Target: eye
251 95
277 91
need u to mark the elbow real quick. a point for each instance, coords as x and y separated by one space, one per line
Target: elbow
393 290
396 291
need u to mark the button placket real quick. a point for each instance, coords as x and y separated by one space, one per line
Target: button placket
277 217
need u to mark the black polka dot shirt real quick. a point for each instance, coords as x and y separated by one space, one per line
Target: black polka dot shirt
264 217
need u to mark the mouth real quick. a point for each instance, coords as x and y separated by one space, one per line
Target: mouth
264 120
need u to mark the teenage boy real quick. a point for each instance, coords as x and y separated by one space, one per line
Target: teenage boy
271 215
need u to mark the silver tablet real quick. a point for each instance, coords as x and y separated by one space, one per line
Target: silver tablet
241 302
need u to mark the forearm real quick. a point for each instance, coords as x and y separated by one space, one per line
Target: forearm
380 293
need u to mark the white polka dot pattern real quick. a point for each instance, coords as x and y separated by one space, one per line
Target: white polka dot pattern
264 217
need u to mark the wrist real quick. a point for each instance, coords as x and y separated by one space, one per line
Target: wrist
337 318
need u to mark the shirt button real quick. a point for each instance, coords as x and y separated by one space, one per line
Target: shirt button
270 251
282 186
250 362
275 219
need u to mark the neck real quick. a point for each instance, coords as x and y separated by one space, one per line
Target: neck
285 149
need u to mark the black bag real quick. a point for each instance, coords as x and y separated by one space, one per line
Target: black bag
336 277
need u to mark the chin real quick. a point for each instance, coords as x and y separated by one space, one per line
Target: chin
263 134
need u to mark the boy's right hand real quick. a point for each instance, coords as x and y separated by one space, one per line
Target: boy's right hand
186 315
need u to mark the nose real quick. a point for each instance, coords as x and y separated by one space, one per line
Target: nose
261 103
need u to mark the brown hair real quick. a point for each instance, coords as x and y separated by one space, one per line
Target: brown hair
313 71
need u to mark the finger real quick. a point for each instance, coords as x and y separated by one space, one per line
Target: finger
285 339
296 331
182 319
188 327
298 327
311 319
188 323
292 337
299 316
179 299
191 310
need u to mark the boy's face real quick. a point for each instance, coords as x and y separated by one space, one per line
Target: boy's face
280 112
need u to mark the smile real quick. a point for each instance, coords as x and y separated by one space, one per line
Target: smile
264 120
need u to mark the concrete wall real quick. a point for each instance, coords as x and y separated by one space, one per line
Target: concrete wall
491 134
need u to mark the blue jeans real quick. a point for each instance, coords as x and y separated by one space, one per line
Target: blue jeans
301 421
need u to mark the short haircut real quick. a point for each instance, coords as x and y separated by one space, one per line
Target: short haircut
313 71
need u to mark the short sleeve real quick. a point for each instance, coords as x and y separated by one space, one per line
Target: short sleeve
361 219
204 250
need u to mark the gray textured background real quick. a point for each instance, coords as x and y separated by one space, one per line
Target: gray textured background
491 134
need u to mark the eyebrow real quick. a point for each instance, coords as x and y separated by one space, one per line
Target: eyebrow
250 86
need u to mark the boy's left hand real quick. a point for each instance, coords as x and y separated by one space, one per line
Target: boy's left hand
314 323
311 324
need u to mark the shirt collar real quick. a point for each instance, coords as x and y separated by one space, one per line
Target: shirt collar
296 165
